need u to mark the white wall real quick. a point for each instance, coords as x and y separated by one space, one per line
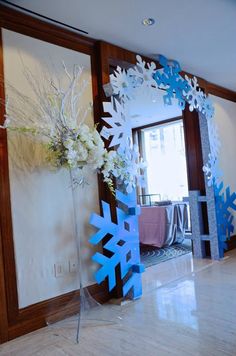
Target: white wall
225 118
41 199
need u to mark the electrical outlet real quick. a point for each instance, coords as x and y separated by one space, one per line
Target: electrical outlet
59 269
73 265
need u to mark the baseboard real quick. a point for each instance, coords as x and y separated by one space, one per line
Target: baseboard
36 316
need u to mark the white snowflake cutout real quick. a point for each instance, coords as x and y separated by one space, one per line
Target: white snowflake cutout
143 72
212 171
214 139
119 122
134 168
122 84
195 96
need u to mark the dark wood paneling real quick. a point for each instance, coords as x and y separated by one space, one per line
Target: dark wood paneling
30 26
220 91
38 315
113 56
193 150
3 301
5 214
6 231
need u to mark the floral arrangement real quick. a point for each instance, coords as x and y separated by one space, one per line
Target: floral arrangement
56 116
77 147
126 166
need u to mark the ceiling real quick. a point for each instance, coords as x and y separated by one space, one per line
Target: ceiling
200 34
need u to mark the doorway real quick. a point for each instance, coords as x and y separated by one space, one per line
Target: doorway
164 223
163 147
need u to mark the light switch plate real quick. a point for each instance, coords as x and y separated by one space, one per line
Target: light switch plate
73 265
59 269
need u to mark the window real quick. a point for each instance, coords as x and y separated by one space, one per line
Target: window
164 152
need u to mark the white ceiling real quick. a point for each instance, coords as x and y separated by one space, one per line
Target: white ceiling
201 34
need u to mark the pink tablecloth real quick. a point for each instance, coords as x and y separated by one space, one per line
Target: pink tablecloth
152 226
163 225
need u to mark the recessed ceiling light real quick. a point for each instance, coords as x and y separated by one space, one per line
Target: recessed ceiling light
148 21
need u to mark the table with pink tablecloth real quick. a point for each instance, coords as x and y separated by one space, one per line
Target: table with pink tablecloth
162 225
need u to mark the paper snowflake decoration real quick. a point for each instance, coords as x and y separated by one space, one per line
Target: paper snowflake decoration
119 122
143 73
208 108
133 173
194 96
225 203
123 246
212 171
122 84
213 138
170 79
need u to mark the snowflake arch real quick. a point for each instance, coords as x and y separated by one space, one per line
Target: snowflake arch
124 243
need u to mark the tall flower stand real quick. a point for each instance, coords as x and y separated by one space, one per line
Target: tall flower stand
91 312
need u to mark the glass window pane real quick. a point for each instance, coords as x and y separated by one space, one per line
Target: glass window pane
164 150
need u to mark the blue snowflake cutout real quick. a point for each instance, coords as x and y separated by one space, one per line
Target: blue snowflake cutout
123 246
208 108
172 81
225 202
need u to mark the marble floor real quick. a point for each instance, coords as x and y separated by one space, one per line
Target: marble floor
188 308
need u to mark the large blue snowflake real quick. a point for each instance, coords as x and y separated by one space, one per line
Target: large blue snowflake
172 81
123 246
225 203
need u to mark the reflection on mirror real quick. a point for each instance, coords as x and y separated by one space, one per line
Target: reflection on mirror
164 150
158 131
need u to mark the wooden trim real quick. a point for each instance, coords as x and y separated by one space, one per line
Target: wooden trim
30 26
5 215
173 119
39 315
193 150
220 92
3 301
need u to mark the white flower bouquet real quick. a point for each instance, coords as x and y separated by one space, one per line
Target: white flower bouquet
56 117
75 148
